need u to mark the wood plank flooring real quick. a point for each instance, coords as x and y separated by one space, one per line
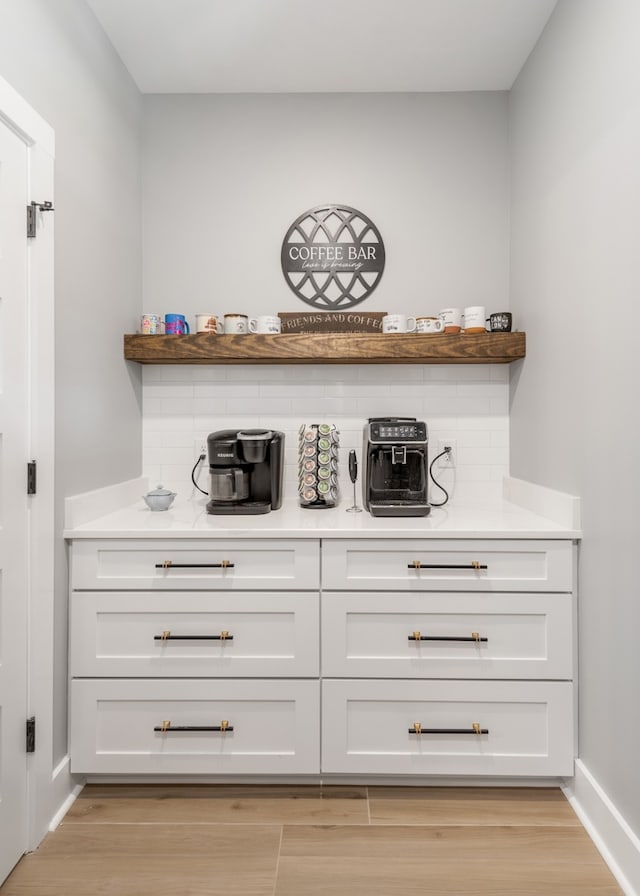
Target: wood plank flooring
201 840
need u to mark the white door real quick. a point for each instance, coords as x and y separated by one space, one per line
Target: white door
14 441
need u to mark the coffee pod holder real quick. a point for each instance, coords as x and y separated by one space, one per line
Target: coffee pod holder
318 445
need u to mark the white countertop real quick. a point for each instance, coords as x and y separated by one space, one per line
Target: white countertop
189 519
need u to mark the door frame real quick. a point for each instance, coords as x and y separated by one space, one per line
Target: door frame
38 137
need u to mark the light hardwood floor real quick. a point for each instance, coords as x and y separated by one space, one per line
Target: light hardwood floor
199 840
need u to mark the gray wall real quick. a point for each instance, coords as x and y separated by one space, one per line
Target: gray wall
57 57
225 176
575 133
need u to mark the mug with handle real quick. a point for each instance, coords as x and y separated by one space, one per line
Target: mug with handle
266 323
398 323
208 323
430 325
176 324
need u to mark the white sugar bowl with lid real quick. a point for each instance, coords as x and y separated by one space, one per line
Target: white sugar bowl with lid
159 498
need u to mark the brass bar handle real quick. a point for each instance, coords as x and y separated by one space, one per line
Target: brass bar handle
475 564
475 729
167 726
474 638
167 636
169 564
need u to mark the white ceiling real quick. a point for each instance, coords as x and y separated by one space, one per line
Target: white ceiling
283 46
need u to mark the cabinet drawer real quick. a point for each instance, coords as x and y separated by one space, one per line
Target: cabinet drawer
195 565
116 726
138 634
368 727
465 565
440 635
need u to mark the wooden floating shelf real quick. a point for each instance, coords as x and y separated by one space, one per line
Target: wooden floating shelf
327 348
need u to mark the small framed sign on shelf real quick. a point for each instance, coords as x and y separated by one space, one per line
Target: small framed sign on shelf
331 321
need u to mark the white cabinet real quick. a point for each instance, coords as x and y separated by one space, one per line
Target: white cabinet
447 565
443 635
223 565
195 656
444 657
447 727
194 726
118 634
318 656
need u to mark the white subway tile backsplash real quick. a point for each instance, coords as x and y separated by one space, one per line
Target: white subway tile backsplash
182 404
293 389
164 390
210 407
390 373
151 405
480 391
203 373
474 438
178 406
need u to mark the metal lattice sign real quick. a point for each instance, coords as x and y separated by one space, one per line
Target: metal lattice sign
333 257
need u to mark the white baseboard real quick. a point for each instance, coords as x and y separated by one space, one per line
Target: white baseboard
65 790
616 842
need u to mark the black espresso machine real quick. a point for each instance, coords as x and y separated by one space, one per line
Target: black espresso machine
396 462
246 469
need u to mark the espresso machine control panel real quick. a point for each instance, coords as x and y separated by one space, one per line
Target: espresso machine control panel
394 431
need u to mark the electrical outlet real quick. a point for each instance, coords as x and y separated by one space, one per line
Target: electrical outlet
447 460
199 447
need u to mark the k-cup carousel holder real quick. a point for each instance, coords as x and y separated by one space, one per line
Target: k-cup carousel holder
318 445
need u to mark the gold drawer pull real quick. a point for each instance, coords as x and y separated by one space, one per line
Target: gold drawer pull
167 727
169 564
474 564
167 636
475 729
418 636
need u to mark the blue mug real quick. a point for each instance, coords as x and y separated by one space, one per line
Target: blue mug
175 325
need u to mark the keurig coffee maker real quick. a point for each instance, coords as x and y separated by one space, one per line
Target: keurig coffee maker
246 469
395 459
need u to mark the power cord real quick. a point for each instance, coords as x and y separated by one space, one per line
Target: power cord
193 473
447 450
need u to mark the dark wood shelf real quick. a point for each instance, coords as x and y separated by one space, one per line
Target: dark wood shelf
326 348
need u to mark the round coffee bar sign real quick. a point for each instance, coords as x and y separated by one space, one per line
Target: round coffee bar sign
333 257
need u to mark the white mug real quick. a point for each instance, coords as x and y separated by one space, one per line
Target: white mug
150 324
431 325
266 323
208 323
452 318
236 323
475 319
398 323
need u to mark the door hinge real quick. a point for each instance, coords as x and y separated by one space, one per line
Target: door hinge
32 215
31 477
31 735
